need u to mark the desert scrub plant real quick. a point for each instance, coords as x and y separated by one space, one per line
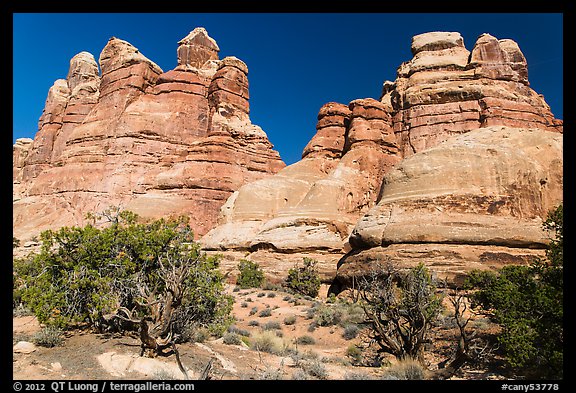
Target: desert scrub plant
268 342
48 337
195 333
327 315
290 320
527 302
81 274
265 313
406 369
354 353
350 331
271 374
253 323
232 339
357 376
253 310
237 330
272 325
251 275
304 280
305 340
315 368
401 306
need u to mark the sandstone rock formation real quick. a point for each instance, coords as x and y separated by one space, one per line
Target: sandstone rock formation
157 143
446 90
309 208
475 200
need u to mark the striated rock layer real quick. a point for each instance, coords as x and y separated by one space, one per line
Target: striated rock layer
477 200
473 202
157 143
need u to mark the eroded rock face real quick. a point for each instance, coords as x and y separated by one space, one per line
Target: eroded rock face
474 201
486 166
309 208
446 90
157 143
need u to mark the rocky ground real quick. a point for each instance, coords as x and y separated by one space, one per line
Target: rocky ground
296 350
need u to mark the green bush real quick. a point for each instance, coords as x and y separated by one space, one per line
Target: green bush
82 273
231 339
527 301
327 315
350 331
305 340
48 337
401 306
251 275
305 279
406 369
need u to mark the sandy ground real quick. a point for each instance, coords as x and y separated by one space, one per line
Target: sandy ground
86 355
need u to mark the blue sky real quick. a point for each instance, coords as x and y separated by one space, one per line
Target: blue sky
297 62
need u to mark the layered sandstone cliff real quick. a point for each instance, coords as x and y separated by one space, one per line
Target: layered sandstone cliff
157 143
477 158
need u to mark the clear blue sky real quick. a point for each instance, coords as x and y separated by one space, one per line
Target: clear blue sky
297 62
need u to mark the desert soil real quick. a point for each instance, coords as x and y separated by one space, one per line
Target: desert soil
85 355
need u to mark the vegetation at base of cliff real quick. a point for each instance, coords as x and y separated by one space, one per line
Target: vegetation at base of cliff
145 269
304 280
251 275
401 306
527 301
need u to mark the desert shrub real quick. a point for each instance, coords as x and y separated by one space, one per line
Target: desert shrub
312 326
290 320
305 279
271 294
237 330
231 339
265 313
527 301
251 275
81 273
350 332
271 374
261 294
48 337
401 306
244 305
272 325
300 375
407 369
267 341
315 368
287 298
305 340
355 353
253 311
356 376
15 242
195 333
327 315
253 323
